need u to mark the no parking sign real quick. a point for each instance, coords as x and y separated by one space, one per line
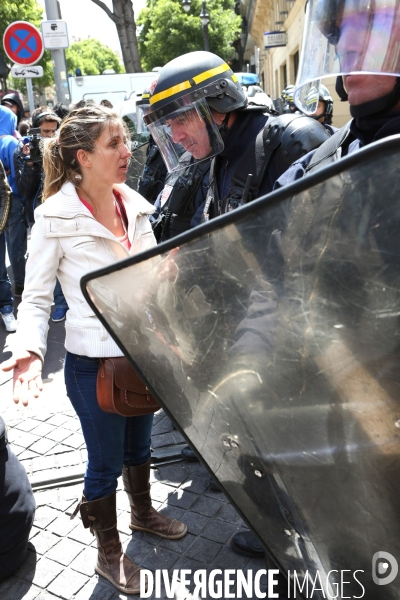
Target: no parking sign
23 43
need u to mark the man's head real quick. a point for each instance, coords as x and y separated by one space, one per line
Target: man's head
189 91
13 102
358 41
46 120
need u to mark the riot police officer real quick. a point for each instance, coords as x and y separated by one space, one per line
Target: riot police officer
198 104
359 46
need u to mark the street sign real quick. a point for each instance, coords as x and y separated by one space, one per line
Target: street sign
274 39
23 43
32 71
55 34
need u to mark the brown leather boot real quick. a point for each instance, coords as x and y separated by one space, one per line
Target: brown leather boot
143 516
112 563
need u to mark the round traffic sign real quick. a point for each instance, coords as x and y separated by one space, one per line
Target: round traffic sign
23 43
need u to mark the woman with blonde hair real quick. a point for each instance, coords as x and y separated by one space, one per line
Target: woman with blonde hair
89 219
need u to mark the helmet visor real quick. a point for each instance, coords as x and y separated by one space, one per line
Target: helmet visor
185 124
141 111
344 37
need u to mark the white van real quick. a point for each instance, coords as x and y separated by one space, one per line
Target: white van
113 87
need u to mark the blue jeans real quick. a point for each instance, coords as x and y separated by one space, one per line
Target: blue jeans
59 298
111 440
16 234
6 298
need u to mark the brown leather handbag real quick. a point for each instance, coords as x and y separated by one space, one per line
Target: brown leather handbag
120 390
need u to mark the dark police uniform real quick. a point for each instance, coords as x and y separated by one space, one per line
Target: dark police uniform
17 508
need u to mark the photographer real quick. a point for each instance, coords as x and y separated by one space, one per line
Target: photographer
29 175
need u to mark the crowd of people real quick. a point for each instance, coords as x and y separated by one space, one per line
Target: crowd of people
220 151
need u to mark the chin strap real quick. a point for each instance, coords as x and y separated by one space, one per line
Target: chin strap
380 105
223 128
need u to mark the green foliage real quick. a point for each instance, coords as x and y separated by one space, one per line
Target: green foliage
28 10
168 31
92 58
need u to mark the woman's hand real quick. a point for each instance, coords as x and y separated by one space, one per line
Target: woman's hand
27 375
168 269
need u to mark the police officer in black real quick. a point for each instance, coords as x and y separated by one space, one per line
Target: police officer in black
198 104
240 150
152 178
17 508
362 51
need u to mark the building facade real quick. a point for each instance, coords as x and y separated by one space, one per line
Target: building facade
277 67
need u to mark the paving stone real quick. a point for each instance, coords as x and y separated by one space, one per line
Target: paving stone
173 512
42 463
62 525
43 429
69 459
65 551
76 440
58 434
67 584
72 424
44 541
46 570
18 450
161 491
228 513
58 419
182 499
60 449
42 446
85 562
163 426
150 538
197 485
178 437
95 589
195 522
82 535
228 559
138 550
26 439
172 475
44 516
46 497
21 590
205 506
34 531
25 457
219 531
188 563
165 439
160 558
65 506
84 455
27 424
71 492
178 546
204 550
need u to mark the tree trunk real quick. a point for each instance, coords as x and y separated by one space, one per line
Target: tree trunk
130 26
118 18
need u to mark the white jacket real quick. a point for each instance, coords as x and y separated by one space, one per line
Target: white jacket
67 242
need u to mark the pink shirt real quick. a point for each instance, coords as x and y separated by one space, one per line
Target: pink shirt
124 238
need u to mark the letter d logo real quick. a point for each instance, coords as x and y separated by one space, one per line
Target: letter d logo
380 565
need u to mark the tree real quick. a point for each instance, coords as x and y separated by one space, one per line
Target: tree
169 32
92 58
28 10
124 18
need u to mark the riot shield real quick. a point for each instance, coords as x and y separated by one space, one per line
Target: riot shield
136 166
271 337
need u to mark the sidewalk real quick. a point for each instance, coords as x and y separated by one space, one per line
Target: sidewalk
46 437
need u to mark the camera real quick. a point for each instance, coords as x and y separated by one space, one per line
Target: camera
34 141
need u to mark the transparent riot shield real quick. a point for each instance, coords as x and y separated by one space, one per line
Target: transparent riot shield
136 166
271 337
